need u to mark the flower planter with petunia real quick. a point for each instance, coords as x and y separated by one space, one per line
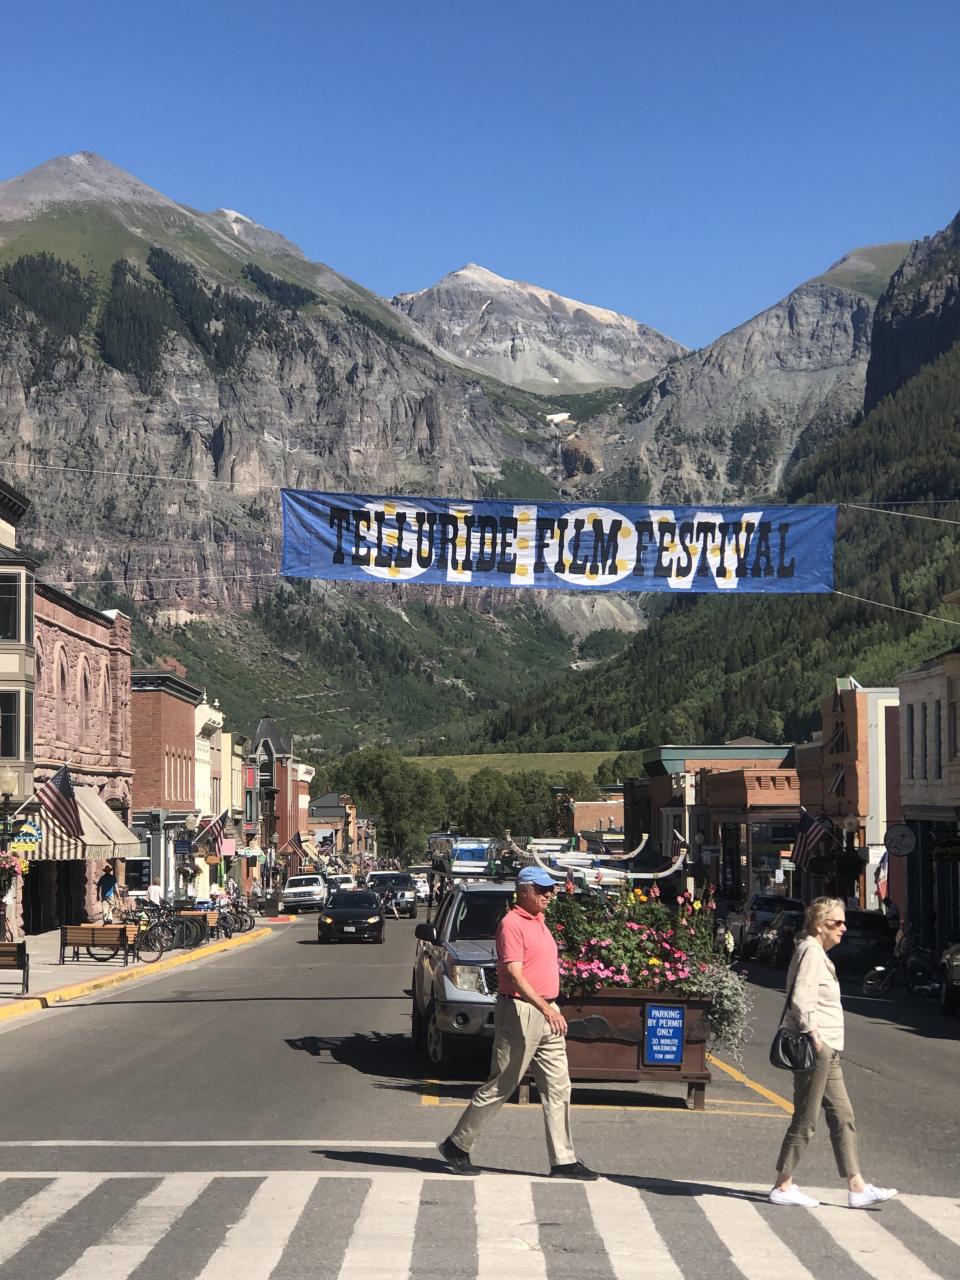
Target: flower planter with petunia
642 990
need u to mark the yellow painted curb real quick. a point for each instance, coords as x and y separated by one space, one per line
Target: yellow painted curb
752 1084
62 995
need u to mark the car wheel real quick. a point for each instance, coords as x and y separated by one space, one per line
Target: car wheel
416 1027
949 998
383 936
435 1043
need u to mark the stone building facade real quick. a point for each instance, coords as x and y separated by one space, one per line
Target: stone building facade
82 720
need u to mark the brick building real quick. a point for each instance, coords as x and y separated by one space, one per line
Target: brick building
81 719
164 707
284 787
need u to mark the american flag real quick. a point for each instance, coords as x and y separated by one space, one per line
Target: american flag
676 844
214 831
811 832
295 842
57 796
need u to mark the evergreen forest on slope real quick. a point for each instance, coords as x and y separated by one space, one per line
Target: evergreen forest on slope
710 669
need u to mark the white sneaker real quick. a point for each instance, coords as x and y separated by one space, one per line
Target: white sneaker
793 1196
870 1195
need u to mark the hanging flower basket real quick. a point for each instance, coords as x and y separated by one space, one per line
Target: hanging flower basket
188 871
212 859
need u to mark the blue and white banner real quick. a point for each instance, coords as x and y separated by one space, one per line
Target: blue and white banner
557 545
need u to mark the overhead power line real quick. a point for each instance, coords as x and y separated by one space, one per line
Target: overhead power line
881 604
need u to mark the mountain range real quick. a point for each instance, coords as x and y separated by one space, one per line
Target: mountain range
206 360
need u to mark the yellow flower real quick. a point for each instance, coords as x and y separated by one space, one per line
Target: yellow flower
638 893
697 905
653 960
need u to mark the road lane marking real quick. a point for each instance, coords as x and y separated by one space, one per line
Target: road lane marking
508 1242
941 1214
755 1085
120 1252
755 1248
430 1094
382 1241
635 1247
254 1244
874 1249
43 1209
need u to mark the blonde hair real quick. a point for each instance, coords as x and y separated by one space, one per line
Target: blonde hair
818 911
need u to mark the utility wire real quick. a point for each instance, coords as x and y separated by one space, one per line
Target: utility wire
905 515
933 617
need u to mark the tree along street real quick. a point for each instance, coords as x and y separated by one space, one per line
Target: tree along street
264 1115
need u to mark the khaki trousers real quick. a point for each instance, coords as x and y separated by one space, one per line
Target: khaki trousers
522 1041
821 1086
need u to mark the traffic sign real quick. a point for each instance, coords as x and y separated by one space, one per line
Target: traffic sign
663 1035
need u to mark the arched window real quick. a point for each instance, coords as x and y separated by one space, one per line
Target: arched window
106 709
86 717
61 696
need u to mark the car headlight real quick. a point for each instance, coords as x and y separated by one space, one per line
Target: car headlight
372 919
468 977
328 919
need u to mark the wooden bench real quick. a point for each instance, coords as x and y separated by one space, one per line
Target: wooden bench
111 938
13 955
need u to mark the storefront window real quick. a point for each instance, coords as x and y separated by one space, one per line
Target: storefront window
9 606
9 724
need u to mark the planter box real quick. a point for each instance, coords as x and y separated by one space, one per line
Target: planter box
630 1034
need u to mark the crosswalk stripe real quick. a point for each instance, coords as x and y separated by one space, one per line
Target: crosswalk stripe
382 1240
636 1249
941 1214
37 1213
123 1249
507 1234
861 1236
755 1248
254 1244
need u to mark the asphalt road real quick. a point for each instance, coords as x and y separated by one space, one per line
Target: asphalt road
285 1068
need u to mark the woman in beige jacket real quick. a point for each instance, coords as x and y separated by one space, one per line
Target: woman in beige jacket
815 1009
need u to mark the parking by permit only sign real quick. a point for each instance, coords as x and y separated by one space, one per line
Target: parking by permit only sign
356 537
663 1035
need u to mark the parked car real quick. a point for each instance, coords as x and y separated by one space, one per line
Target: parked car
352 915
749 919
400 886
455 971
950 979
775 945
303 893
422 886
868 941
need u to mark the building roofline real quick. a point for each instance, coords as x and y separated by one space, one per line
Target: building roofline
164 681
82 610
14 505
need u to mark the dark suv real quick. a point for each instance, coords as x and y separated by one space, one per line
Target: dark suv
455 971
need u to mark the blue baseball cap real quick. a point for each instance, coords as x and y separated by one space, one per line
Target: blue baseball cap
536 875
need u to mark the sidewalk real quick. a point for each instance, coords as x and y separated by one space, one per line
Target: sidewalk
52 983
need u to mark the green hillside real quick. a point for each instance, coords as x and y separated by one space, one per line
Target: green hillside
709 669
867 271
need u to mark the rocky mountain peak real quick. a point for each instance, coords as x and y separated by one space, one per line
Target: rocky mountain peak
81 178
532 337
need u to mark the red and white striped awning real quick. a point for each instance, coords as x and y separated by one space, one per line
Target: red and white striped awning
104 835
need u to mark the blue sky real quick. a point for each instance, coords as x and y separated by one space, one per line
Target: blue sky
686 164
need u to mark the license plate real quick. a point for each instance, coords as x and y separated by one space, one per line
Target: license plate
349 928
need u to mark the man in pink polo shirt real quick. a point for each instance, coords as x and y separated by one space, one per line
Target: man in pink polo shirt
528 1032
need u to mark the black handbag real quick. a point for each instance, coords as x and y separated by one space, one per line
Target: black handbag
792 1050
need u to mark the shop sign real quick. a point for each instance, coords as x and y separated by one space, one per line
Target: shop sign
182 848
26 840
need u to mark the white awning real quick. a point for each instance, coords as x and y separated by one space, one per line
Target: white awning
104 835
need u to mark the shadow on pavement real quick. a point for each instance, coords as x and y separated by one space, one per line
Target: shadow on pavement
421 1164
913 1014
668 1187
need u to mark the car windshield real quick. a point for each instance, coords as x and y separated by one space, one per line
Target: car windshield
354 901
476 915
303 882
390 882
775 904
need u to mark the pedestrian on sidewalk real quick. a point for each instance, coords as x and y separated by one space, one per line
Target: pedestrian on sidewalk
155 893
528 1033
814 1008
107 893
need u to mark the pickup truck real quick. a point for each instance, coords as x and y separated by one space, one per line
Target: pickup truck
750 918
455 971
